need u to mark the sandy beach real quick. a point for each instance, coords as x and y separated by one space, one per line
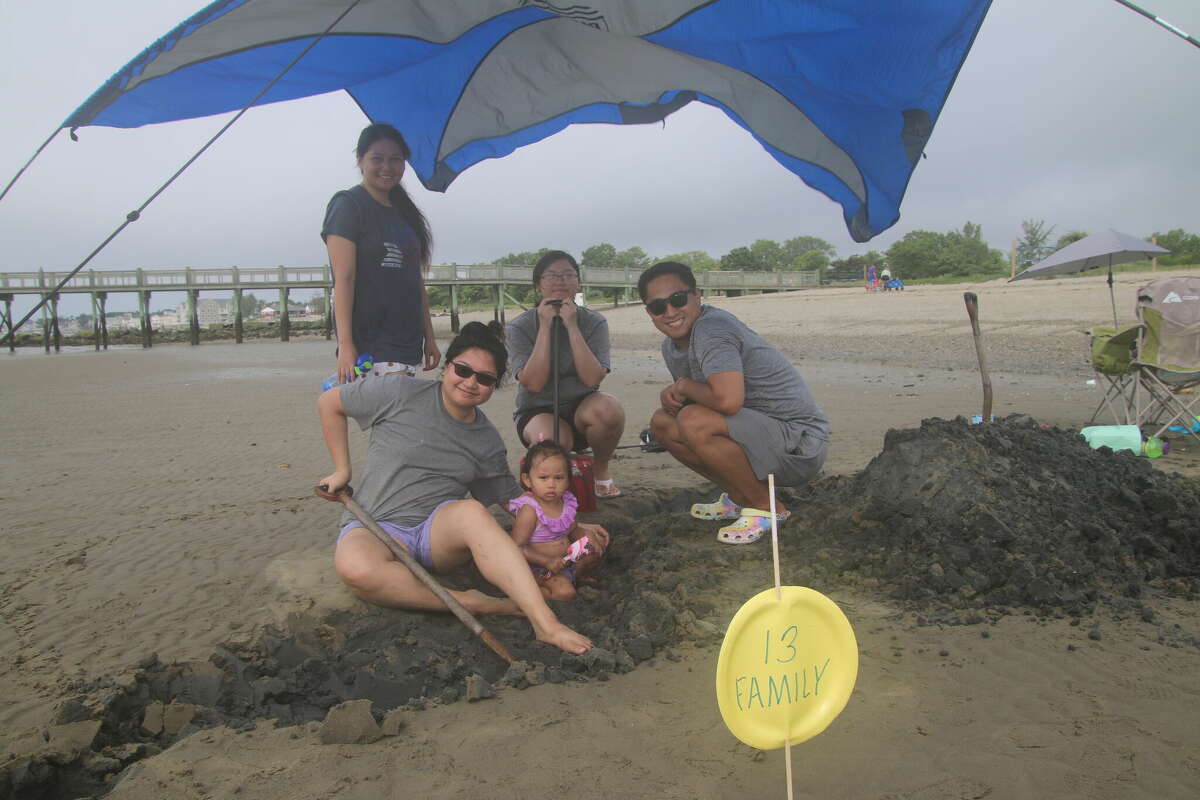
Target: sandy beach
158 510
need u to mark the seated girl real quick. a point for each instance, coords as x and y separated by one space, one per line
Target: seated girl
560 550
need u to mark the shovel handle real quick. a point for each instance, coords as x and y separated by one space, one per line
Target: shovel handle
344 496
972 302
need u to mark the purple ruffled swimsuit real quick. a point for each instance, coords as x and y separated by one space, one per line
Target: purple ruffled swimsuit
548 528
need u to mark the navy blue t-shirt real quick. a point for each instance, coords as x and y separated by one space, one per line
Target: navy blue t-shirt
388 320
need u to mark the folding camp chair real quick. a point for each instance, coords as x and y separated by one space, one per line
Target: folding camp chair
1168 353
1112 359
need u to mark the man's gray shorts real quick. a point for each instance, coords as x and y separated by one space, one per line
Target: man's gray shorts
789 450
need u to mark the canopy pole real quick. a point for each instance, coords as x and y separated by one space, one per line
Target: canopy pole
21 171
1152 16
1111 294
134 215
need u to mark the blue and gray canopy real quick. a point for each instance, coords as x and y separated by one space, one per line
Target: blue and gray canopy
844 93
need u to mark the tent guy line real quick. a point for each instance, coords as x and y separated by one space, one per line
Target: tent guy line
136 214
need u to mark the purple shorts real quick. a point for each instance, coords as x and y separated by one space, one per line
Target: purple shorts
416 538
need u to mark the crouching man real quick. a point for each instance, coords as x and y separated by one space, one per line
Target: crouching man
737 411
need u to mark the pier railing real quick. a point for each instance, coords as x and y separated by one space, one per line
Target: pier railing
187 278
144 282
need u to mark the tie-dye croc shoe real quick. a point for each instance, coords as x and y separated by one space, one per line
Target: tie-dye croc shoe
724 508
750 526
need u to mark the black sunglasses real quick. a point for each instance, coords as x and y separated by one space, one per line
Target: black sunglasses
658 307
482 378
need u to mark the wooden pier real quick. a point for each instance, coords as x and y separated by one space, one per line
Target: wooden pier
99 284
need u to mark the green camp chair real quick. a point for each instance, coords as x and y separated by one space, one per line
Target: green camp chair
1168 353
1112 359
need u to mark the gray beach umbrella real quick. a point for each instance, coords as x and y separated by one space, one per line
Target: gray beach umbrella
1098 250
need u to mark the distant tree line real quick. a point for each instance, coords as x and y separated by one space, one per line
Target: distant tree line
1034 243
1184 247
919 255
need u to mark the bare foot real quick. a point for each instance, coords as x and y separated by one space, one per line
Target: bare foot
564 638
477 602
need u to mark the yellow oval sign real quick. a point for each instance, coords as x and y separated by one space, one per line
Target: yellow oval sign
787 667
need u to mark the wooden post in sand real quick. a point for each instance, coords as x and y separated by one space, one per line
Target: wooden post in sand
95 322
1154 259
328 314
193 300
45 325
102 316
8 318
972 303
237 308
144 313
285 321
1012 260
237 316
54 326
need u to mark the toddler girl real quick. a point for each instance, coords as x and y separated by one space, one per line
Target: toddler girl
559 550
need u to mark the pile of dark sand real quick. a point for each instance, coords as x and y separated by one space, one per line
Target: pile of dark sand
953 521
1012 515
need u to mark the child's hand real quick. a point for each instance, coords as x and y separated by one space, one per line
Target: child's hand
556 566
597 536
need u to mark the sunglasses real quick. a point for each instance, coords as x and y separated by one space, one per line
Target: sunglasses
485 379
658 307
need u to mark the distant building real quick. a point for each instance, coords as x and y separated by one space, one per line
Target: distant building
294 310
209 311
124 321
167 319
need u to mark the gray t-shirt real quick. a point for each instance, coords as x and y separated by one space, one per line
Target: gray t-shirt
420 456
521 334
720 342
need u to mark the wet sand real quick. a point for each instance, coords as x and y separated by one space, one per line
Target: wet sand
160 502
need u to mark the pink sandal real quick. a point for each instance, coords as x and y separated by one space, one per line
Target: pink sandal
605 488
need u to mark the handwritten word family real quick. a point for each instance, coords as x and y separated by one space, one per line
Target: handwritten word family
780 688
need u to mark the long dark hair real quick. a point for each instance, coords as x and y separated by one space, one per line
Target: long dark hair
481 337
398 196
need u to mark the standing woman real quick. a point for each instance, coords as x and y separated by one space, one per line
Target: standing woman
589 416
379 245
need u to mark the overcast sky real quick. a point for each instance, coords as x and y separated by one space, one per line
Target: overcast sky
1078 112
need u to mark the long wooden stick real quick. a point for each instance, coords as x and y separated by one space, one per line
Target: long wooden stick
405 558
787 743
973 312
774 535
